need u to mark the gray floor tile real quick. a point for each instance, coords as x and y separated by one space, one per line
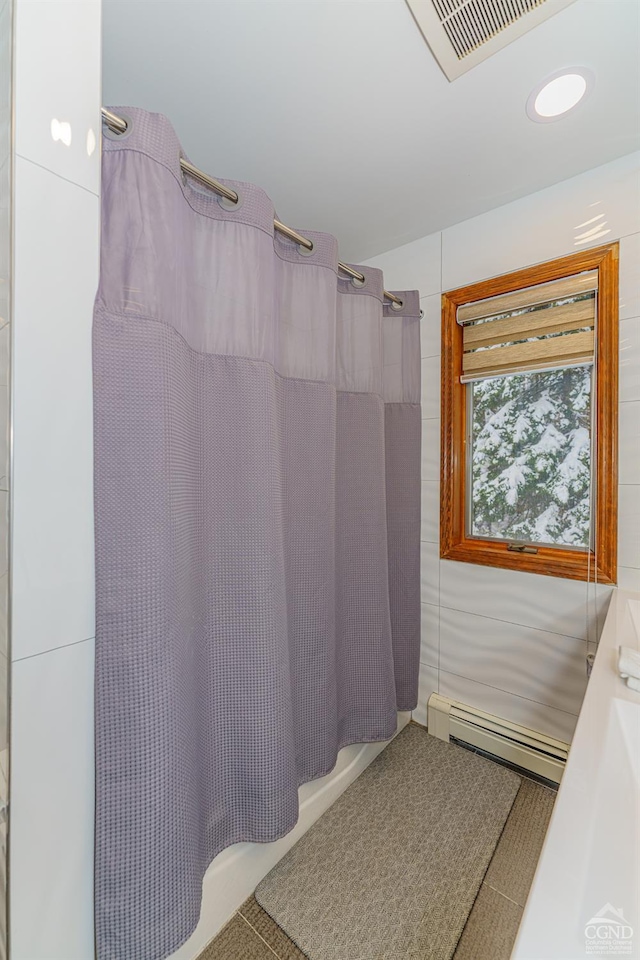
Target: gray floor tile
270 931
491 929
514 862
237 941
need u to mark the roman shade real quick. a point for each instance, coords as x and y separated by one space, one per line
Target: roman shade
542 327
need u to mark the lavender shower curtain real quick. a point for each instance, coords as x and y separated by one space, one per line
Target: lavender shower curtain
257 490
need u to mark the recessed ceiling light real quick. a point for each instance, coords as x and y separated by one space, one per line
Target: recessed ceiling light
559 93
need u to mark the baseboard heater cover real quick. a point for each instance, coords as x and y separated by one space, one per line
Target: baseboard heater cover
521 746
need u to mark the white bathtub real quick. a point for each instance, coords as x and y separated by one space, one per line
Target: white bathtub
585 897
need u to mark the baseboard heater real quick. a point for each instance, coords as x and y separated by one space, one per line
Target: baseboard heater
521 746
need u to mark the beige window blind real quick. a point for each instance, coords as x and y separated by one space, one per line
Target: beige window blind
537 328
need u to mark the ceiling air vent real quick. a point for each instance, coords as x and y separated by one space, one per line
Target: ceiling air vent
462 33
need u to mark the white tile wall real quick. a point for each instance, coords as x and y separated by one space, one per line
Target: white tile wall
528 713
630 276
431 388
629 442
629 578
5 347
512 643
57 76
6 96
4 609
430 529
429 572
545 603
431 449
6 100
545 667
427 684
430 634
629 525
56 277
52 803
4 430
67 37
413 266
4 540
430 325
630 359
543 225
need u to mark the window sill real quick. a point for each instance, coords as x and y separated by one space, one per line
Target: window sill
548 561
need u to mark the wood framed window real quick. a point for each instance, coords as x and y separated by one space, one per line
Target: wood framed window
529 467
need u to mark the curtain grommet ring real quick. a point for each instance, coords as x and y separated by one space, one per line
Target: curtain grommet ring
193 179
359 283
112 134
305 251
231 205
397 306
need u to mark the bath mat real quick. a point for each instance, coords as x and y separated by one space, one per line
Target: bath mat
391 871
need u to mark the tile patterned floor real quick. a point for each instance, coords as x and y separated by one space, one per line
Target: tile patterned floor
251 935
492 926
491 929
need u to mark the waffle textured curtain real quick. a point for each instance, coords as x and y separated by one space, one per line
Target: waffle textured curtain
257 491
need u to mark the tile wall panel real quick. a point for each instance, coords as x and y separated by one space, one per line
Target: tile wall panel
431 449
629 524
629 442
431 388
630 359
427 684
544 225
429 572
57 78
430 527
56 277
52 804
500 703
430 325
430 634
6 203
414 266
546 603
629 278
545 667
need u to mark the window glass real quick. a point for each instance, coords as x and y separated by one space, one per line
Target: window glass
530 463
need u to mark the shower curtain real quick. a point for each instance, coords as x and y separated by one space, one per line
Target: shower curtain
257 490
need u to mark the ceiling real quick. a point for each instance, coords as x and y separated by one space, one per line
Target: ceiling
339 111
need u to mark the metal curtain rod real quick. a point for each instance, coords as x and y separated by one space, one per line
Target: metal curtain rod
119 125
